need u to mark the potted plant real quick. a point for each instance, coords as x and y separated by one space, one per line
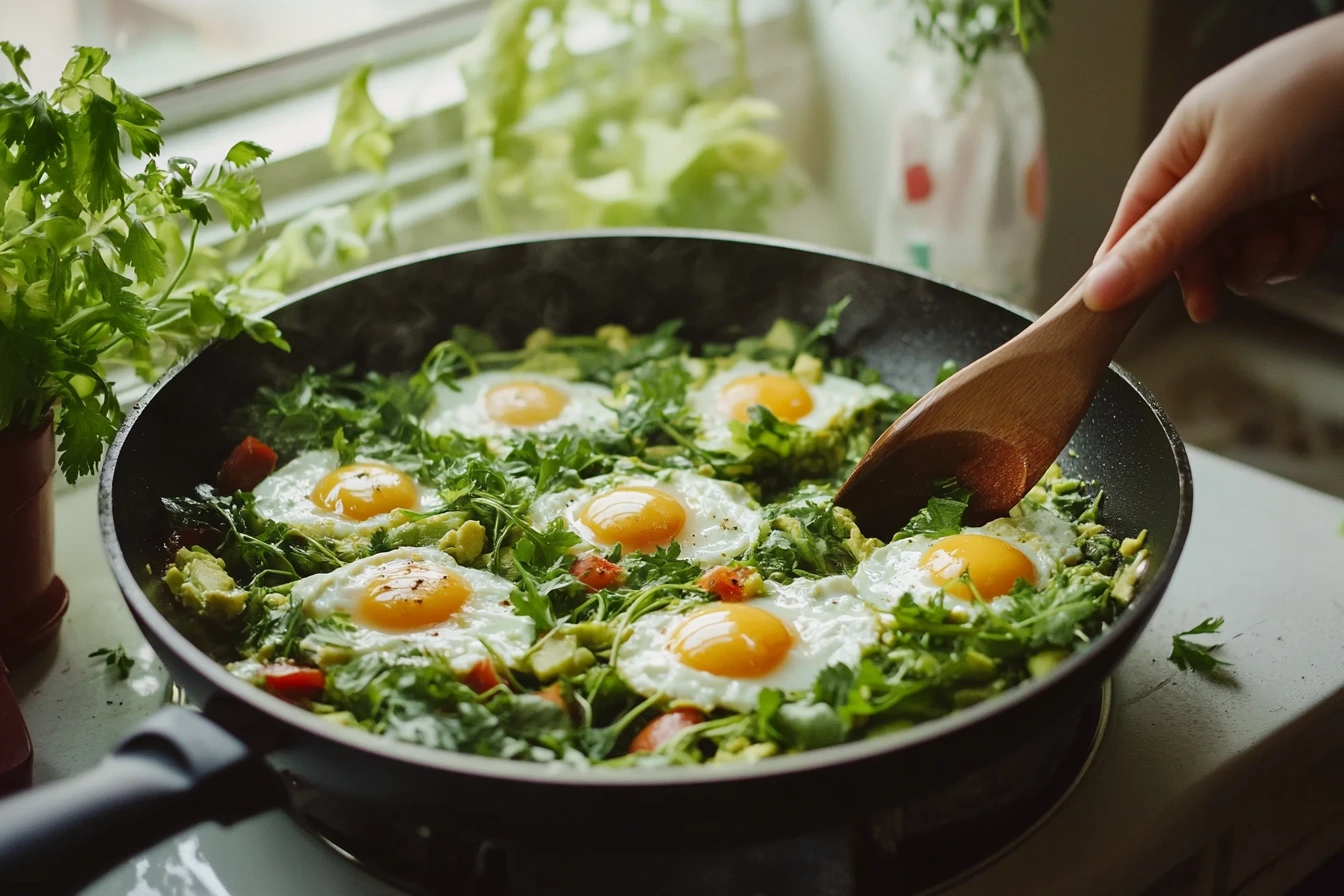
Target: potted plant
964 195
95 271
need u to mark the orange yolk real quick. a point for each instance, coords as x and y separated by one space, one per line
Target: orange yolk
407 595
637 518
995 566
521 403
732 640
361 491
779 393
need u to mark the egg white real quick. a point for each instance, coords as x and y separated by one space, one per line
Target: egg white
722 520
893 570
833 399
285 496
462 410
487 616
833 626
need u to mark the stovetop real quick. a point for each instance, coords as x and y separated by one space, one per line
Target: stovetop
1200 786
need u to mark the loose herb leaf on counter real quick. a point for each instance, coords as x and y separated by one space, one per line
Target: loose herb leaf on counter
1187 654
116 660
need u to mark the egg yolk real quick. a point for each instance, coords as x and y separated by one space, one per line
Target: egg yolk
408 594
361 491
635 517
994 565
522 403
732 640
779 393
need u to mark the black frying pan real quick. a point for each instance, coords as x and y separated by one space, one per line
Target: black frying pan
185 767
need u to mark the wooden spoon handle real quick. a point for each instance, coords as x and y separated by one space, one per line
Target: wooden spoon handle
1087 339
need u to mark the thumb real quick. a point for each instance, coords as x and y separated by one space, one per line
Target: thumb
1150 250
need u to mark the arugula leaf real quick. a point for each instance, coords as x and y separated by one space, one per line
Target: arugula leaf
834 684
945 372
942 515
817 341
1186 654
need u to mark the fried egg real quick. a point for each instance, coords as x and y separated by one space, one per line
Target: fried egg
710 520
314 493
421 597
994 556
500 403
730 394
724 654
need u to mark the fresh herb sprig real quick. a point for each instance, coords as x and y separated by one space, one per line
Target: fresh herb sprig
117 661
1187 654
971 28
92 258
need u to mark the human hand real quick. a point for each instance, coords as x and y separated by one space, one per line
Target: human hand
1243 184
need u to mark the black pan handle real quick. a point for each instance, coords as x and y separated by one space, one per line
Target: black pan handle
176 770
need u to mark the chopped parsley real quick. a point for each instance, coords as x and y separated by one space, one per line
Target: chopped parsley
1187 654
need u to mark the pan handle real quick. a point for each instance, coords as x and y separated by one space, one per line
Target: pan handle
176 770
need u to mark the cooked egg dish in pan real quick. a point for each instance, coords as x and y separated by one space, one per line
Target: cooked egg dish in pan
622 550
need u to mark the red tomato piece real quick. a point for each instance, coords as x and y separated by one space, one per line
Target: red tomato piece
596 573
727 582
918 183
247 464
553 694
665 728
482 677
293 682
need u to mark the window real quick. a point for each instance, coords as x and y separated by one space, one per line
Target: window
158 45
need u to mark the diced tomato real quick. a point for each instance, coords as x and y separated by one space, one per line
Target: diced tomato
482 677
918 183
553 694
665 728
727 582
596 573
293 682
249 463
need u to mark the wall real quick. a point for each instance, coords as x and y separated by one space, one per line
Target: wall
1092 74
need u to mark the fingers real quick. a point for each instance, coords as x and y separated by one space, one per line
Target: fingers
1159 240
1170 157
1256 257
1309 233
1271 243
1201 282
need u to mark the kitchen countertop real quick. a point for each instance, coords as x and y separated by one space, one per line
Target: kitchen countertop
1265 553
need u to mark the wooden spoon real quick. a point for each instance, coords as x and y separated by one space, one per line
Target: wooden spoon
996 425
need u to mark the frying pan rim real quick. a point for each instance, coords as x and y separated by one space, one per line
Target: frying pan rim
556 774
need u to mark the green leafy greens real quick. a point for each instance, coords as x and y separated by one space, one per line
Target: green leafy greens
1187 654
619 135
563 699
93 259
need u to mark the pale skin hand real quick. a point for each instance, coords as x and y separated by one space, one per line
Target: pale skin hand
1243 185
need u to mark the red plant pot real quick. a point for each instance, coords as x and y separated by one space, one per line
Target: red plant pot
32 598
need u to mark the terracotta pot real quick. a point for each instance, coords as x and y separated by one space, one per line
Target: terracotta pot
32 598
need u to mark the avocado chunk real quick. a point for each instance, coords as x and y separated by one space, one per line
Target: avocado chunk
560 656
198 579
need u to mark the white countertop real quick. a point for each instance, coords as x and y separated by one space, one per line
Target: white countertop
1185 764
